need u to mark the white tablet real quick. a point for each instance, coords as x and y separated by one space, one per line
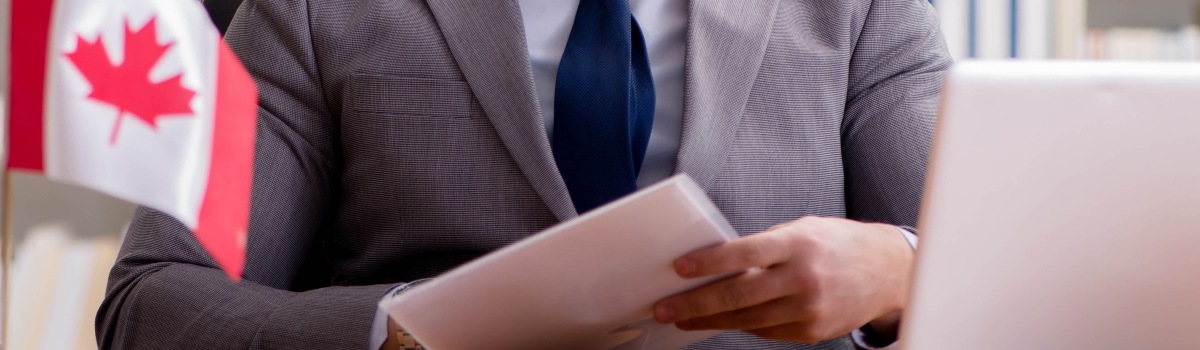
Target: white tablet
588 283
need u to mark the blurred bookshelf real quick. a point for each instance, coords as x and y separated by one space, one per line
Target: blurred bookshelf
1139 30
66 239
59 281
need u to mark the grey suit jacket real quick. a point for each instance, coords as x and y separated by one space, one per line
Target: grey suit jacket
398 139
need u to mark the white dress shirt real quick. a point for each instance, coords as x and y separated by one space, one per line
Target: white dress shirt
664 27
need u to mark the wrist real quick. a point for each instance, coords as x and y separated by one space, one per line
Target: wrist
899 256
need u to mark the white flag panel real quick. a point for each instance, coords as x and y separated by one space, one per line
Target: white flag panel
134 164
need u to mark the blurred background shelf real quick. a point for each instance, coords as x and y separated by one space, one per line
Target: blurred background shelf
66 240
1072 29
60 279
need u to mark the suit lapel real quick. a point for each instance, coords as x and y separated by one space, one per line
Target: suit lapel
487 39
726 43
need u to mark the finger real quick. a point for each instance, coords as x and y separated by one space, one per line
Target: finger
770 314
761 250
738 292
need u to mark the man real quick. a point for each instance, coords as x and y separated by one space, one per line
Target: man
401 138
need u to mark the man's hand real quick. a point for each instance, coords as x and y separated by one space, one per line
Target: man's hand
810 280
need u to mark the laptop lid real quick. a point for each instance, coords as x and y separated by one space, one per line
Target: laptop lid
1062 210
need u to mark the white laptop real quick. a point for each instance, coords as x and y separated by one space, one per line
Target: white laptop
1062 210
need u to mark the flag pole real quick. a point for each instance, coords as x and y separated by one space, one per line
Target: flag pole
6 236
6 243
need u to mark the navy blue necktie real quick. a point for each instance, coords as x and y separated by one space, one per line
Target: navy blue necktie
603 104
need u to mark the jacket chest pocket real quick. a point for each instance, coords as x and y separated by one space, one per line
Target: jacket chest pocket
411 97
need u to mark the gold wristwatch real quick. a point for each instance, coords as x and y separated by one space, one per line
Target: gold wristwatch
399 339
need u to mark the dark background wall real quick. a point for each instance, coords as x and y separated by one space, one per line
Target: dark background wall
221 12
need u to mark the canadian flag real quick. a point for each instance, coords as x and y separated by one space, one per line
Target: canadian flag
142 100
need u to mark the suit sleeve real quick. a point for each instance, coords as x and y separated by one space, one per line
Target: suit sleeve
896 75
165 293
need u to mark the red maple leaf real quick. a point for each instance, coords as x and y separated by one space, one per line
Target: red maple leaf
127 85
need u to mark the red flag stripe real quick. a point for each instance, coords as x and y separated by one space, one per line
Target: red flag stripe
30 37
224 213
